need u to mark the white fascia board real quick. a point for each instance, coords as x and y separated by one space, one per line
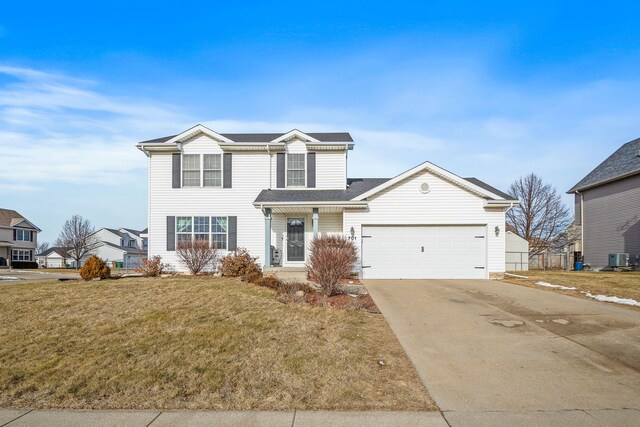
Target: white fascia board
501 203
196 130
436 170
293 134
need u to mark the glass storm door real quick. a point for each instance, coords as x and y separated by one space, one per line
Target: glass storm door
295 239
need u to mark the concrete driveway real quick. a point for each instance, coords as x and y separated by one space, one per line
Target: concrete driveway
492 353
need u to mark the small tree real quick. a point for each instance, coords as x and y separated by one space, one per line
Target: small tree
197 256
239 263
541 216
77 236
42 247
152 267
93 268
331 259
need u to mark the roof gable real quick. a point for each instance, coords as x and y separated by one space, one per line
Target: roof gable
195 131
624 162
295 134
482 191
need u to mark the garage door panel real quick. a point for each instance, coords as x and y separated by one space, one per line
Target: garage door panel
424 252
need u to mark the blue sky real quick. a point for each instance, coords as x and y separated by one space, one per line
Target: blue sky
493 90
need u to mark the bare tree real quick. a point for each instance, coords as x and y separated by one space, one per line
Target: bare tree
42 247
197 256
541 217
77 237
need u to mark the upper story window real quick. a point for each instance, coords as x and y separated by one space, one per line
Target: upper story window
132 243
24 235
212 170
191 170
295 170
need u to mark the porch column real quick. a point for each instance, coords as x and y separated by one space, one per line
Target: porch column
267 238
315 222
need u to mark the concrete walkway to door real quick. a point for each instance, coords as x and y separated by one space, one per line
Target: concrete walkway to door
492 353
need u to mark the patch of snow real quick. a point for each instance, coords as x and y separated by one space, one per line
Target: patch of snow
9 278
626 301
551 285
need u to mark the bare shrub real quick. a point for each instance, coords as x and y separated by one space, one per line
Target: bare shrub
269 282
240 263
331 259
197 256
94 268
152 267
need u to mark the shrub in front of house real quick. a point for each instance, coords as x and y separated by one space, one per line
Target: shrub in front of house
95 268
152 267
24 264
331 259
198 256
240 263
269 282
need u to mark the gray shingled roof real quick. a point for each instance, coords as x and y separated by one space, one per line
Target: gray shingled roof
624 162
60 251
356 187
268 137
488 187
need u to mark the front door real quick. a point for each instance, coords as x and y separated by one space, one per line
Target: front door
295 239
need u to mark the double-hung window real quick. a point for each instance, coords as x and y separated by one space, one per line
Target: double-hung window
219 228
184 229
295 170
23 235
21 255
210 229
201 228
212 170
191 170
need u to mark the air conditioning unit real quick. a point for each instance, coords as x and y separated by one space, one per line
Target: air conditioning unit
618 260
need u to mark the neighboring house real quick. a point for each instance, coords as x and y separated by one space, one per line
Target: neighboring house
18 238
607 207
55 257
516 252
123 246
272 193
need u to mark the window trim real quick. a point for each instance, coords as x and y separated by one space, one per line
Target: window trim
304 171
17 253
183 170
209 233
213 170
26 235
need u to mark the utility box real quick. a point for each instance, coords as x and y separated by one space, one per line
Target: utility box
619 260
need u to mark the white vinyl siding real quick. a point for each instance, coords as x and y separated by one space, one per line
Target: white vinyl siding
446 204
250 176
331 171
212 170
191 170
296 172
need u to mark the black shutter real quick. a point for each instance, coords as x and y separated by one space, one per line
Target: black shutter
15 232
171 233
31 236
311 170
175 173
226 170
280 176
30 255
233 233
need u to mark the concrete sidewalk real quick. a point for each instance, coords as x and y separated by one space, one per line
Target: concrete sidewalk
78 418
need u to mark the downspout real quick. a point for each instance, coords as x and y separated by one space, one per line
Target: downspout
270 165
581 223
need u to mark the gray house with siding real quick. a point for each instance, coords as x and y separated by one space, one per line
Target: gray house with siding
607 207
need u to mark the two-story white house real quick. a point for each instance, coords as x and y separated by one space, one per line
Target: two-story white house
18 239
272 193
125 247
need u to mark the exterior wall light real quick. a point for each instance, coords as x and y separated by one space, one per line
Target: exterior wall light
497 230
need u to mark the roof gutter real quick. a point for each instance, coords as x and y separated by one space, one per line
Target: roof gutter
346 204
501 203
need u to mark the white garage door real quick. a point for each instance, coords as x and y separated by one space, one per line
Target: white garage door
424 252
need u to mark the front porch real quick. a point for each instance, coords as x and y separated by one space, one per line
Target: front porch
289 231
5 254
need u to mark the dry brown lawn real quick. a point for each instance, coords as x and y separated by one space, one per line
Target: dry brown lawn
618 284
187 343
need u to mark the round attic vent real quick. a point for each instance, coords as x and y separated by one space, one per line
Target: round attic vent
424 188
